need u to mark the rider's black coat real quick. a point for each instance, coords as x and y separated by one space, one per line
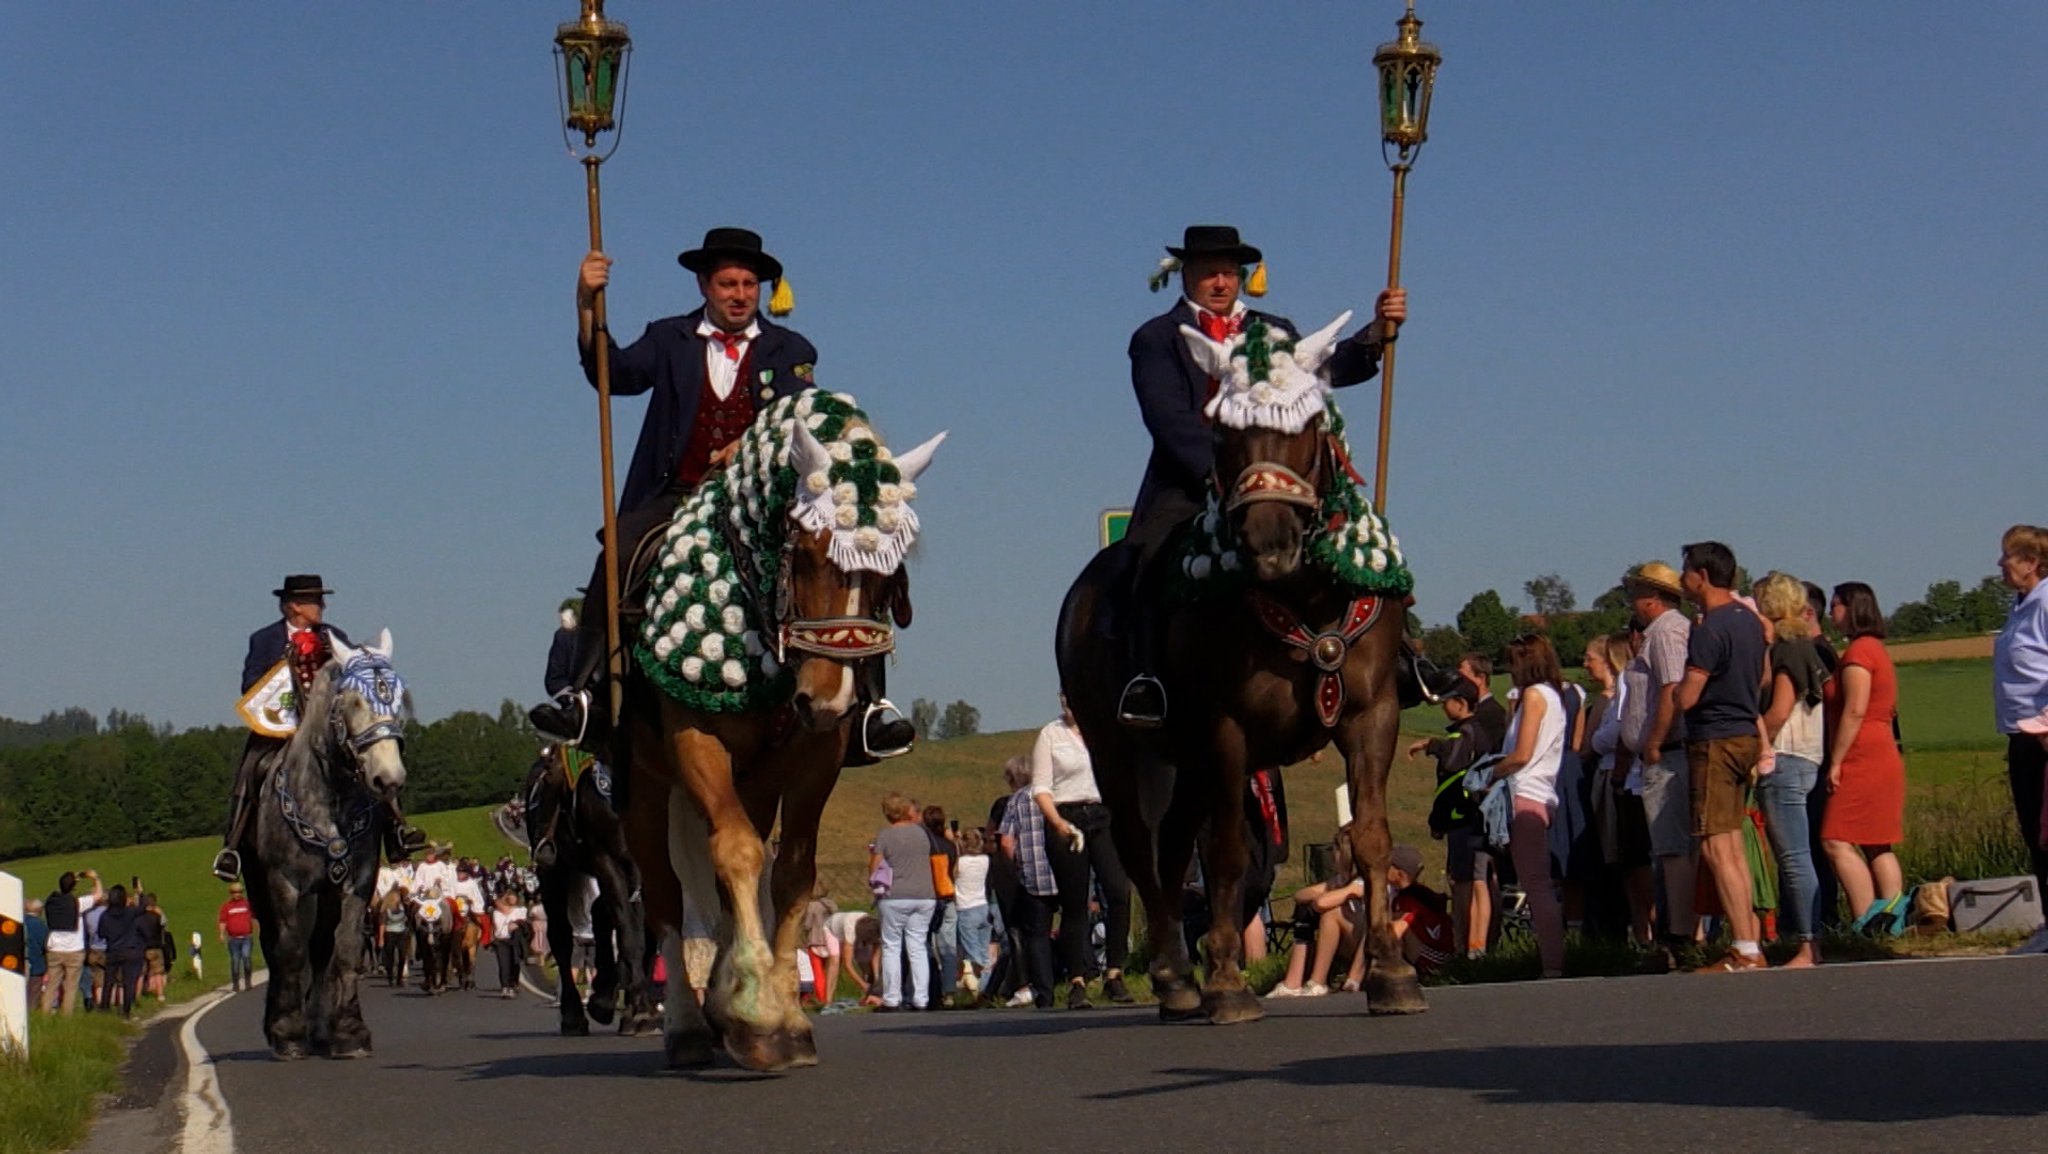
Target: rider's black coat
1171 393
266 649
668 360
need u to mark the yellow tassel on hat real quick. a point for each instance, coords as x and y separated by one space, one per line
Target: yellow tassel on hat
1256 285
783 302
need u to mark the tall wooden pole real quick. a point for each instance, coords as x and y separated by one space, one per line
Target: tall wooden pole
1379 472
601 345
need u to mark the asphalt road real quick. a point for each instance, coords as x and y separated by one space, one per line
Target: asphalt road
1949 1056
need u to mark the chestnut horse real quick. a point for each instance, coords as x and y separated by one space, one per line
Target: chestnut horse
778 576
1288 614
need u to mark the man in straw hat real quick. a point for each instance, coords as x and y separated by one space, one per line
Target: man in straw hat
236 924
710 371
1653 731
1213 265
302 635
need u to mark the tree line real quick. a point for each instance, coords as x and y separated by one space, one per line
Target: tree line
71 781
1487 622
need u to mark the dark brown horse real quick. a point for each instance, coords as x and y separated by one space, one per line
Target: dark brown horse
741 715
1288 620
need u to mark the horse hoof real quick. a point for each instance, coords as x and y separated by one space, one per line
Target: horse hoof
689 1052
1179 1002
578 1028
289 1051
1394 995
641 1026
1230 1007
767 1051
601 1010
355 1050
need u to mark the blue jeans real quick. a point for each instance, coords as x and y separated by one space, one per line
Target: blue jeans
946 942
238 962
1783 794
906 921
975 927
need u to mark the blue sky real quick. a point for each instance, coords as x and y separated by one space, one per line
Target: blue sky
291 291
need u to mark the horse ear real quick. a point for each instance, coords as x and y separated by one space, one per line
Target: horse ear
913 463
1312 350
1211 356
382 648
342 652
808 455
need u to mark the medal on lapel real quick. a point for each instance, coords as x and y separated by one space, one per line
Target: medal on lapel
767 378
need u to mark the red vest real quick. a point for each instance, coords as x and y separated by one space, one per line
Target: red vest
719 422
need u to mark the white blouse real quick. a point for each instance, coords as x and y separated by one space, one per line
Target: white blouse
1060 766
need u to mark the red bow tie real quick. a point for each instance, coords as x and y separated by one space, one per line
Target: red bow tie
730 341
1217 328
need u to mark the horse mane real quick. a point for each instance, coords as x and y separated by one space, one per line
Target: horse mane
311 739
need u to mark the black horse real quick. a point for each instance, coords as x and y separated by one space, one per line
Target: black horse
589 842
310 856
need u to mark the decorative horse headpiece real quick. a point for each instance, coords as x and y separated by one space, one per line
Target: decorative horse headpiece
368 674
718 607
1264 380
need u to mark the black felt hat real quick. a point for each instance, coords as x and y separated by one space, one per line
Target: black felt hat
731 245
303 585
1215 240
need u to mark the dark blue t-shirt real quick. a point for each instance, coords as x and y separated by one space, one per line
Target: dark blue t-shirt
1728 644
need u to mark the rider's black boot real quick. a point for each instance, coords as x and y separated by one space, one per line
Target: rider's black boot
1143 705
883 732
401 840
1417 679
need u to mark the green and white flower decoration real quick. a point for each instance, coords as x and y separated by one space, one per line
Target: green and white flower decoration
1276 384
811 461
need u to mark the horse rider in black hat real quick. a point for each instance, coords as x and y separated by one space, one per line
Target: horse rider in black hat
301 635
1213 264
710 371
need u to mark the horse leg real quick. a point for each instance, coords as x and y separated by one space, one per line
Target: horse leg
348 1036
1368 739
554 898
794 876
687 1036
619 890
285 952
1180 999
744 998
1225 997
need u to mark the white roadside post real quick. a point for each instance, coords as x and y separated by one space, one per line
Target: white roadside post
13 970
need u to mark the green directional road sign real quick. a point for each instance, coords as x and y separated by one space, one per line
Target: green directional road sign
1115 523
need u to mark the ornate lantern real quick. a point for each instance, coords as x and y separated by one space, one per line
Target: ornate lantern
1407 75
593 52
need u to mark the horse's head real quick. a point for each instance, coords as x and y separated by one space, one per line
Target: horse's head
1273 455
843 589
366 715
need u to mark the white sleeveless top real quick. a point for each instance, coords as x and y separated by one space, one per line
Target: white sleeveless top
1537 781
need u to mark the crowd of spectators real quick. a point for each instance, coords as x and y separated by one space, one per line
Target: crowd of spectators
100 948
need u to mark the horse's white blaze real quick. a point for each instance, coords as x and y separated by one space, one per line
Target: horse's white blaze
843 700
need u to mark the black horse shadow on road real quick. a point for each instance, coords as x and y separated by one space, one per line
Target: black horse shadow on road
1825 1080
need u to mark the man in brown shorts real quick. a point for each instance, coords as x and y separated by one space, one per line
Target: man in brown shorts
1722 695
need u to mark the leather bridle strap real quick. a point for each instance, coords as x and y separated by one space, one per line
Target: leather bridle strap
840 638
1265 481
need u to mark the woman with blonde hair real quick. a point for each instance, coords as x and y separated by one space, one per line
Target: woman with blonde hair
907 900
1794 725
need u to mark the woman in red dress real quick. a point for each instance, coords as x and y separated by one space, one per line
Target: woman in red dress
1866 814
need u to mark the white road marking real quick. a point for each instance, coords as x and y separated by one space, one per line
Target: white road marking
209 1124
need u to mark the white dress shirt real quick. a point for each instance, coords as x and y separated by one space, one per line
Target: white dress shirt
724 371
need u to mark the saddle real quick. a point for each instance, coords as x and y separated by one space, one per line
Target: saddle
640 560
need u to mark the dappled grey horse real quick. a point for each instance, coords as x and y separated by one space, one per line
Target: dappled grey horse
310 857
